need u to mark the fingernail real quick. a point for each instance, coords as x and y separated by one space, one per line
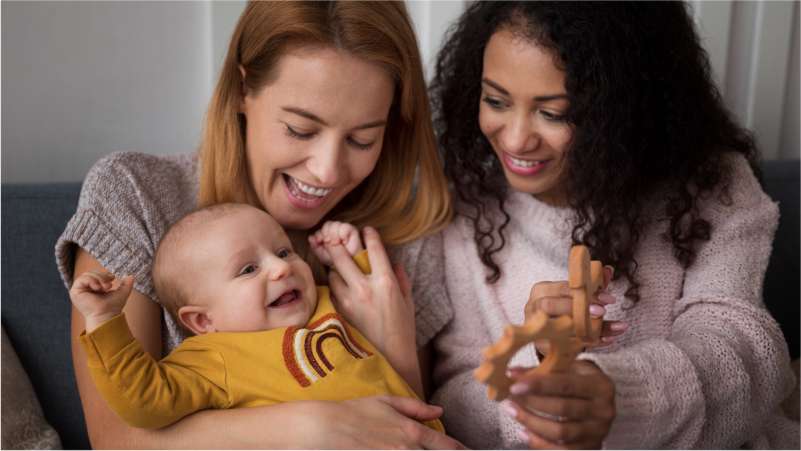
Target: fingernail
606 298
611 269
507 407
518 388
524 436
619 326
608 339
596 310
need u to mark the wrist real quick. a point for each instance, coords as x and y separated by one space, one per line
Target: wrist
96 320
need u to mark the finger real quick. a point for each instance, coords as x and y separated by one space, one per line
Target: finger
558 432
555 306
568 385
342 230
514 372
536 442
413 408
97 281
379 260
612 329
605 298
548 288
563 409
125 286
344 264
339 290
323 232
431 439
609 273
403 281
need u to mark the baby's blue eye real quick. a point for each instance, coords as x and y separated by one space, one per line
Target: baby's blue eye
283 252
247 269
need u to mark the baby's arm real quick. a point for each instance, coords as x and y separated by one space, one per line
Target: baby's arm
143 392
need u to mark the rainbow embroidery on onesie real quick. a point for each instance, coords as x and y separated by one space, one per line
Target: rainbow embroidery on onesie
303 348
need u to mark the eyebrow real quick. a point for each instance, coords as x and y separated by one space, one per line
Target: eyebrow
546 98
309 115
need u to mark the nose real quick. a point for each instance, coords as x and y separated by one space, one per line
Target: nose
518 135
278 268
326 163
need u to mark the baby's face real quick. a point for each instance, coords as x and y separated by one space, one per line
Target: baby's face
242 268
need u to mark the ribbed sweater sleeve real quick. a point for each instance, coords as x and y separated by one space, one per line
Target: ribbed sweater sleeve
127 202
717 376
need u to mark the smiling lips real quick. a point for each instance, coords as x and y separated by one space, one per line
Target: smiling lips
302 195
285 299
523 167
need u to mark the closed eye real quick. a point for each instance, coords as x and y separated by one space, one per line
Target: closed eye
298 134
360 145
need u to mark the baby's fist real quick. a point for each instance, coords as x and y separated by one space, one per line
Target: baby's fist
100 296
333 233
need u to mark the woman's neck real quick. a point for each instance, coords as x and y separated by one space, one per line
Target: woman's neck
300 242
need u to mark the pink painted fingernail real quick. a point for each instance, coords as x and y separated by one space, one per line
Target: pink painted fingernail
596 310
619 326
606 298
507 407
518 388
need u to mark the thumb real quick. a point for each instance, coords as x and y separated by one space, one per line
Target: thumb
125 287
413 408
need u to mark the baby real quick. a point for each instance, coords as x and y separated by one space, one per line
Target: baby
263 333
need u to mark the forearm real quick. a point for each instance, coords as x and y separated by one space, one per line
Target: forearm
709 384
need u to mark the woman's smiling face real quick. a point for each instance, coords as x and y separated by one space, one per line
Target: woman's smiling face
314 132
523 103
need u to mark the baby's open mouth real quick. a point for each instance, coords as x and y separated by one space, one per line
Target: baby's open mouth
285 299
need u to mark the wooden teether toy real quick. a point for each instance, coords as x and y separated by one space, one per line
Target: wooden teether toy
568 335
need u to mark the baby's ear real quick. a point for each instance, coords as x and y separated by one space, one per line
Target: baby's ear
194 318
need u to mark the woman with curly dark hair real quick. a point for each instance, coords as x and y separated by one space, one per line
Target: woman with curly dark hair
600 124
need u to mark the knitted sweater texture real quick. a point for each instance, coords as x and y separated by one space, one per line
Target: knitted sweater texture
702 365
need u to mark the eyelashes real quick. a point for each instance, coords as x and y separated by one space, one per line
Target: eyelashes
293 133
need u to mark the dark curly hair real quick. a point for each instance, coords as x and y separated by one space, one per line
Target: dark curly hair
648 120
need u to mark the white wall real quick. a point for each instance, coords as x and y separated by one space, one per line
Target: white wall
82 79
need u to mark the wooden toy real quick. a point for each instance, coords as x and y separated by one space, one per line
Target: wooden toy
568 335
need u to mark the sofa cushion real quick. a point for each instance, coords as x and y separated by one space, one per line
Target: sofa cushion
36 307
782 292
24 426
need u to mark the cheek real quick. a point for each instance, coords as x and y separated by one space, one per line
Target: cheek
362 164
488 121
559 140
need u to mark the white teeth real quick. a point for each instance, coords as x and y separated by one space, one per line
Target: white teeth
308 189
522 163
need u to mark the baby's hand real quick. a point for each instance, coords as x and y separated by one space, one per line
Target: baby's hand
334 232
100 296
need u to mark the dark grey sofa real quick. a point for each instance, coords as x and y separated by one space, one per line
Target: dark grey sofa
36 308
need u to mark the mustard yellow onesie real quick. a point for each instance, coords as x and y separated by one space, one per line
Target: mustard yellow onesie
326 360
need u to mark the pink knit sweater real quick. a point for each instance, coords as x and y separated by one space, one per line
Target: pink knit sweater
702 365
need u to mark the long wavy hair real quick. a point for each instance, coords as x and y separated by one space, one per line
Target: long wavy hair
379 32
648 120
